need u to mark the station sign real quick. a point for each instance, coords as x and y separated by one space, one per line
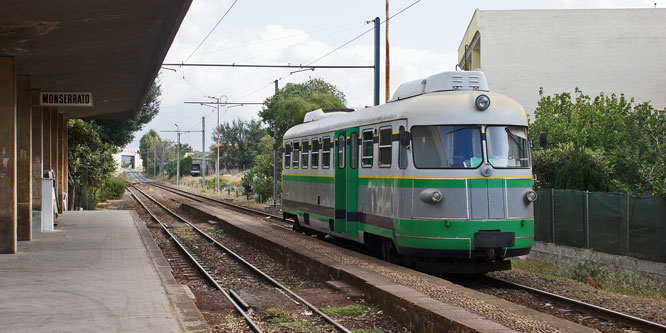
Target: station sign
47 98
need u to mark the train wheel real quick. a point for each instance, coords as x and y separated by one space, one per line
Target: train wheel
388 251
296 226
321 236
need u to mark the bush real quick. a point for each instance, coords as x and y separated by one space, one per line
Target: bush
566 167
113 188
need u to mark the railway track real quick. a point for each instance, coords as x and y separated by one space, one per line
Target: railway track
229 294
592 309
612 315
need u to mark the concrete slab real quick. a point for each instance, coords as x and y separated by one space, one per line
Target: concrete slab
101 271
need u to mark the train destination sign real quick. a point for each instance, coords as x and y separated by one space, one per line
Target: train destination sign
65 99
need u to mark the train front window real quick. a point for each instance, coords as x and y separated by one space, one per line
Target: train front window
508 146
447 147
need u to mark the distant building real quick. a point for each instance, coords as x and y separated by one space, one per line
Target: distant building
128 158
597 50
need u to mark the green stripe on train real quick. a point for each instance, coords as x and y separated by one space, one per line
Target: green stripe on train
418 183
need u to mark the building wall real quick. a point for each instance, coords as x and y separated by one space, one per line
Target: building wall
609 50
129 151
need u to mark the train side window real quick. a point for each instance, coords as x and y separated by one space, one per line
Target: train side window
326 153
314 158
305 153
287 156
403 144
353 151
296 155
341 151
367 149
385 146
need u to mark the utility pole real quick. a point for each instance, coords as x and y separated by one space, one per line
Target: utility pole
275 164
203 151
162 169
154 159
376 74
388 62
178 157
178 131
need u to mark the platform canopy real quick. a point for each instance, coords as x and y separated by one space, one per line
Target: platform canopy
112 48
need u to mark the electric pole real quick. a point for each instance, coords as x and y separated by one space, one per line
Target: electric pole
203 151
275 164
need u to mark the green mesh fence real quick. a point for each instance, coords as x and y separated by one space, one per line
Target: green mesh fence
607 222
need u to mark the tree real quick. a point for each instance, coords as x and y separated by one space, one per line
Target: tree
259 179
90 160
239 140
120 132
288 106
146 144
630 138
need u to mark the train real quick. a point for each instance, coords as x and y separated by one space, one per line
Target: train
438 178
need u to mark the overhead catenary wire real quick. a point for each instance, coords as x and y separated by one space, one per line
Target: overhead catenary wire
363 33
211 30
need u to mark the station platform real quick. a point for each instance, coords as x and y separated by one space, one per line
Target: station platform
100 271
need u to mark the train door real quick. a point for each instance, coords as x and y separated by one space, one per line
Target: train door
353 143
340 182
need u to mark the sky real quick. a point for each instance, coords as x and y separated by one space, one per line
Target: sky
423 40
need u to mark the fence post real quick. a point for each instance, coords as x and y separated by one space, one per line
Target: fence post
587 219
552 214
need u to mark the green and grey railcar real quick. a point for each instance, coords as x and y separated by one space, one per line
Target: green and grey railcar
440 175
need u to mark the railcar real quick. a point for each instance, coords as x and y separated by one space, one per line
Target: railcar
439 177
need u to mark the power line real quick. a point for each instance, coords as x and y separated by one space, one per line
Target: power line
211 31
265 66
363 33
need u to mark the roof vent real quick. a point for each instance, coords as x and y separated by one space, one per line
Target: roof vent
409 89
449 81
323 113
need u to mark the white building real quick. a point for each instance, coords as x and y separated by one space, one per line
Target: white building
597 50
128 158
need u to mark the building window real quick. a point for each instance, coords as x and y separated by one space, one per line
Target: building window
326 153
385 146
367 149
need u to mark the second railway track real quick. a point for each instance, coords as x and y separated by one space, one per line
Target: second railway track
233 297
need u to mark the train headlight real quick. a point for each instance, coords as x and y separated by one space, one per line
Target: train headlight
431 195
530 195
436 196
482 102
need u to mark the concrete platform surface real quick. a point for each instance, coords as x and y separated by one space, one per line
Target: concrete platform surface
101 271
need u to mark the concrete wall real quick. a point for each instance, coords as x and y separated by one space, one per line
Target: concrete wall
598 50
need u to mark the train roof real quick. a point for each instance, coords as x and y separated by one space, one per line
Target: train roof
436 103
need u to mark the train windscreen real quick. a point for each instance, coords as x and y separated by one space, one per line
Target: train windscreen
508 146
454 147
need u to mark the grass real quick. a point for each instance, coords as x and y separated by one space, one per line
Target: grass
283 319
348 310
296 285
607 277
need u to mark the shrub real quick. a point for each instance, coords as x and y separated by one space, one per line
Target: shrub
113 188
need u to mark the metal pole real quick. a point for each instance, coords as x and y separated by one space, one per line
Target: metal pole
203 151
388 62
162 169
154 159
275 165
178 157
376 74
217 161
